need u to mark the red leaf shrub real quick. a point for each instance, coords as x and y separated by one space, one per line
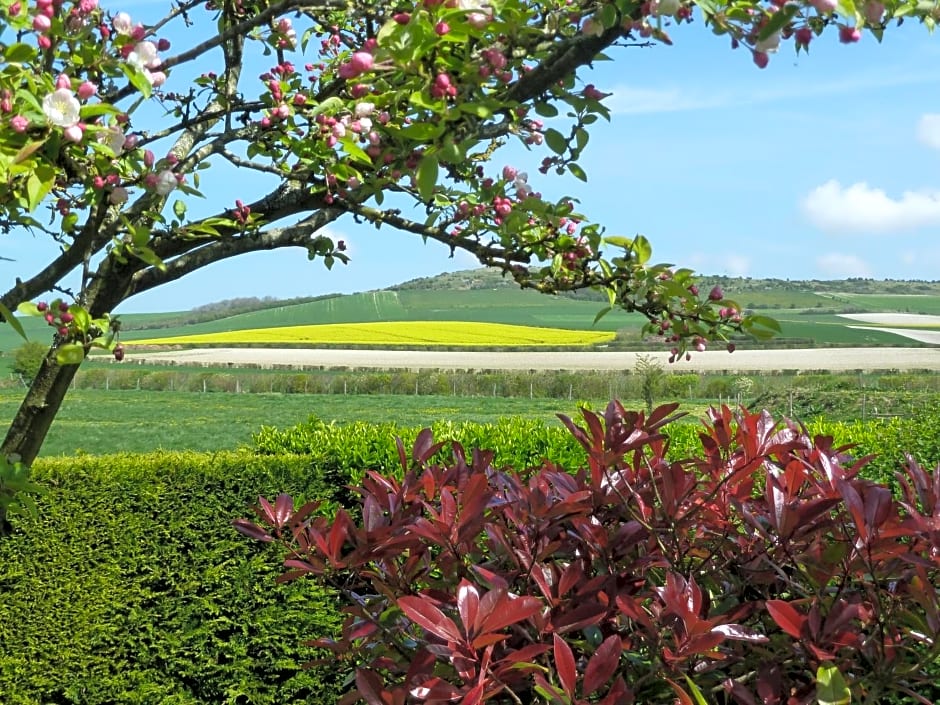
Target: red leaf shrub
735 575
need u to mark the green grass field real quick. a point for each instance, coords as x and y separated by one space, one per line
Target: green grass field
900 303
96 421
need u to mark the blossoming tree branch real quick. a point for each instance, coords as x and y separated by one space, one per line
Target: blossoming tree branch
391 113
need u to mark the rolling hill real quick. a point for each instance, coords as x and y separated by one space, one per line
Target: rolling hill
809 312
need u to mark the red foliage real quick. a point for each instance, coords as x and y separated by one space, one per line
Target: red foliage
744 570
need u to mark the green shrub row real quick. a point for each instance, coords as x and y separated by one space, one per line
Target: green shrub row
521 443
130 586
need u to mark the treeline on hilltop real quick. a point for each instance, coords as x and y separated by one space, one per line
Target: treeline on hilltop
220 309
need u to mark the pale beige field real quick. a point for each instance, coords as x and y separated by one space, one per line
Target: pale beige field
835 359
919 326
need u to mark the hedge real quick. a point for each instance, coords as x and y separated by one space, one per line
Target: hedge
130 586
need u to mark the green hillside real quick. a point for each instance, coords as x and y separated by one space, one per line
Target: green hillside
516 307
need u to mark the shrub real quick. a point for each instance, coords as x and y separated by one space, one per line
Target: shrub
129 586
764 570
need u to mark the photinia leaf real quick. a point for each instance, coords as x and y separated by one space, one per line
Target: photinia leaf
564 662
420 611
370 687
602 664
283 506
787 617
468 603
251 530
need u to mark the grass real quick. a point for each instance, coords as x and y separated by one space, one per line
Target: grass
899 303
96 421
419 333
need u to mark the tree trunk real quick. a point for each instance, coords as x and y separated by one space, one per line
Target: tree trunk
45 396
38 410
35 415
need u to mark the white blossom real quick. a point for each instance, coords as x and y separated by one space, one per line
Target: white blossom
166 182
61 108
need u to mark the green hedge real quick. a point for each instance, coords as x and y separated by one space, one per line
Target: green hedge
132 587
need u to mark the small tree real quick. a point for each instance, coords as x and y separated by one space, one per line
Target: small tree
650 373
28 357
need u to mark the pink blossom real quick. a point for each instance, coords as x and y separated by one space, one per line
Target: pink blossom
358 63
122 23
41 23
19 123
165 182
118 196
87 90
73 133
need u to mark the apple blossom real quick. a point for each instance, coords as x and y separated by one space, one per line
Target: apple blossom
144 56
761 59
874 11
849 35
364 109
61 108
19 123
113 138
122 23
74 133
165 182
664 8
824 7
41 23
87 90
769 45
359 63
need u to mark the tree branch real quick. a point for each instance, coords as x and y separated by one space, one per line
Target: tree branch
298 235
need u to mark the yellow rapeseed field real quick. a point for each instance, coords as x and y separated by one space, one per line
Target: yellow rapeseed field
417 333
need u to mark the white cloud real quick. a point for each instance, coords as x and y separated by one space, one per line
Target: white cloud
840 265
627 100
928 130
861 208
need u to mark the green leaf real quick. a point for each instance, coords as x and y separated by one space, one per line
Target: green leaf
28 308
137 78
696 692
642 249
422 131
831 688
480 110
779 19
81 317
19 54
603 312
577 171
355 152
555 141
546 110
39 184
11 319
70 354
765 322
427 176
179 209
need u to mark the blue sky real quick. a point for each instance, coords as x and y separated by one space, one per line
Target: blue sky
819 166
